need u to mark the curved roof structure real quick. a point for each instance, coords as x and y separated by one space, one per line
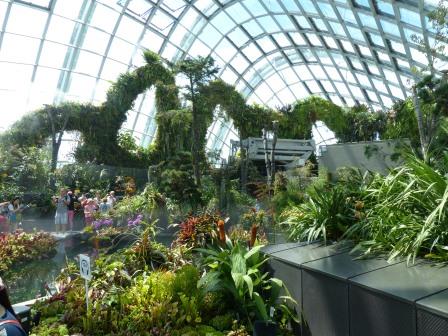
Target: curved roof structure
274 51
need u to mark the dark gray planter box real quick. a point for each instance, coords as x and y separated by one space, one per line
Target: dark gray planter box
326 291
286 264
432 315
339 295
383 302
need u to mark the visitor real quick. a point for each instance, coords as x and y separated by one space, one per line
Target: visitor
111 200
97 199
61 216
104 206
71 208
9 324
4 217
89 211
14 214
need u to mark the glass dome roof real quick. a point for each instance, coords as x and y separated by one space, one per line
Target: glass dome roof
273 51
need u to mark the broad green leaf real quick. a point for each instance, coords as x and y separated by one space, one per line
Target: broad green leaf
249 283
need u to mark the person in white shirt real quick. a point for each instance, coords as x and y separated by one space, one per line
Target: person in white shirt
111 200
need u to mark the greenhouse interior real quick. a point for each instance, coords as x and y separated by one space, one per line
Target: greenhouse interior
224 167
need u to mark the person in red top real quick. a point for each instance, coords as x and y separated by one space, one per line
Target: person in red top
89 210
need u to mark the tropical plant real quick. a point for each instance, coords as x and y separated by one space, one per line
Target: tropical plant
237 271
407 213
22 247
327 214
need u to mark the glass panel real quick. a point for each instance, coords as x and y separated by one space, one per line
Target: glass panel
239 63
238 13
223 22
396 91
226 50
210 36
309 57
385 7
266 44
313 86
410 17
112 70
53 54
363 3
81 85
19 49
121 50
386 101
254 7
238 36
330 42
372 96
103 17
303 72
285 22
379 85
151 41
384 58
314 40
347 46
376 39
282 40
70 8
308 6
327 10
341 88
303 23
327 86
333 73
88 63
268 24
35 21
320 25
337 28
373 69
397 47
368 21
365 51
253 28
290 6
161 21
390 28
14 76
129 29
418 56
96 40
317 71
297 38
355 33
346 15
273 6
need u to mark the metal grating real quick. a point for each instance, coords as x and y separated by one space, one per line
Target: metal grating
325 304
373 314
431 325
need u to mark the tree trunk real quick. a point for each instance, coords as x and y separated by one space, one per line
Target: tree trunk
266 159
421 129
195 135
243 165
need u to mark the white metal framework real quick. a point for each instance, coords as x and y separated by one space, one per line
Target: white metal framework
274 51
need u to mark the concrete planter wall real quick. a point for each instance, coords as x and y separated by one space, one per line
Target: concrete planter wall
340 296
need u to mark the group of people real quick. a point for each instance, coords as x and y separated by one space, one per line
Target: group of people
68 202
11 215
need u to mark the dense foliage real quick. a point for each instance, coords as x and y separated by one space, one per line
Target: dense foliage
149 289
21 247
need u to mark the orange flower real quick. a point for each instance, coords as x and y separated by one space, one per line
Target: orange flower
221 231
253 234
